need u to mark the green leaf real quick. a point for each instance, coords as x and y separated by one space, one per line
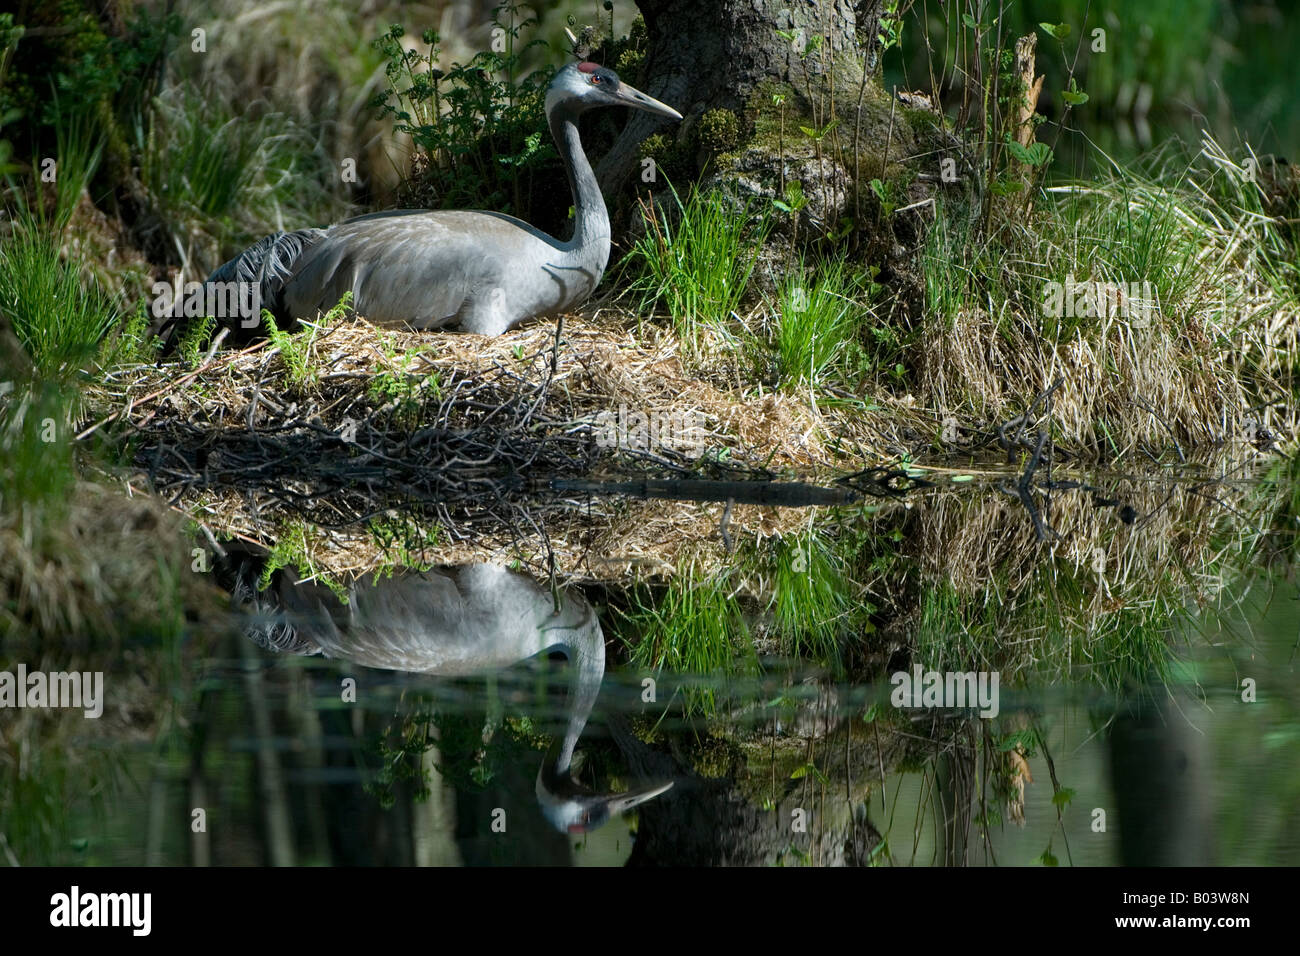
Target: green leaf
1058 30
970 21
1062 797
1036 155
807 769
1024 738
1074 96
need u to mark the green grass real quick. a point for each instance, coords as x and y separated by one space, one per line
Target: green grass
58 312
296 347
194 159
695 261
80 146
1179 247
292 549
195 338
819 320
219 176
129 342
58 317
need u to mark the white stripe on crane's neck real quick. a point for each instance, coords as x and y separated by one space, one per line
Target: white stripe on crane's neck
590 242
586 655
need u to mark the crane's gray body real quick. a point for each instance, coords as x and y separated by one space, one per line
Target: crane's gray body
482 271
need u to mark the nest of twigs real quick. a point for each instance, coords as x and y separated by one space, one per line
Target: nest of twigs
377 447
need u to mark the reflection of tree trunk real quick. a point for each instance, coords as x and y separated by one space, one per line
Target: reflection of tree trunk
270 781
349 812
1160 775
434 820
311 759
955 792
200 843
712 822
153 848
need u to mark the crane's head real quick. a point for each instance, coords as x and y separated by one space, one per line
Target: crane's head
572 808
584 86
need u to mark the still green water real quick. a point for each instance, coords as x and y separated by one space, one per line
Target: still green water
1164 753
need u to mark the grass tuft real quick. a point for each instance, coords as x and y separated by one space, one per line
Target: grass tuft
695 261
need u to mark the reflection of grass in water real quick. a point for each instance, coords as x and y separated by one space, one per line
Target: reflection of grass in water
1106 603
812 602
57 791
89 581
693 626
702 626
1052 635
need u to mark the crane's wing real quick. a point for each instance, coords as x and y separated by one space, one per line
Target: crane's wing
416 267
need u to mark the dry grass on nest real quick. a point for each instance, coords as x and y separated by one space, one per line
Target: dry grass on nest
600 366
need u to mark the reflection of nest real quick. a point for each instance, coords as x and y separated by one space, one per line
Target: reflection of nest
460 432
1181 524
1014 601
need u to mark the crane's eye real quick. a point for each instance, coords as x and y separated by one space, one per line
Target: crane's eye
597 79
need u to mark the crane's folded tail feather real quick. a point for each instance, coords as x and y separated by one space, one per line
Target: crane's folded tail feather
264 268
263 621
269 263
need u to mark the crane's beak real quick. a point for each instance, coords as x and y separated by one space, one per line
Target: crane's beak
622 802
572 808
633 97
595 810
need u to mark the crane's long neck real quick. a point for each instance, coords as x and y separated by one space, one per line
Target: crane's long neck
587 660
590 243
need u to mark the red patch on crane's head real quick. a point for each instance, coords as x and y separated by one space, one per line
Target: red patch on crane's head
588 67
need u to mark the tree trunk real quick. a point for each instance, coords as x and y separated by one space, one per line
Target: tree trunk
783 110
717 55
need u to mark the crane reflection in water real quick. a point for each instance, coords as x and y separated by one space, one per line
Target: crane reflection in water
453 622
